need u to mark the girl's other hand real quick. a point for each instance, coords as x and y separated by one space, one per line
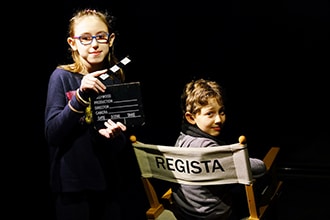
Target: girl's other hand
112 129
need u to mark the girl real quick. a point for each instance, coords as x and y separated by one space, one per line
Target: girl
82 158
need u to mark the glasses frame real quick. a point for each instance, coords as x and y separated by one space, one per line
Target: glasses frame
93 37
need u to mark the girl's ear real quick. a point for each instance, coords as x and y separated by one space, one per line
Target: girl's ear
72 43
111 39
190 118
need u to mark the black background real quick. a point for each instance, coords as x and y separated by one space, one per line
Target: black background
272 58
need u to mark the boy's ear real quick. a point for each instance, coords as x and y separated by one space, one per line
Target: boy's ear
190 118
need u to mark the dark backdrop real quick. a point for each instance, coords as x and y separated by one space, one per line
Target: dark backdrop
271 57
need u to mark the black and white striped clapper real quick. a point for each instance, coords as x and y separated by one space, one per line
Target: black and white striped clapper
116 67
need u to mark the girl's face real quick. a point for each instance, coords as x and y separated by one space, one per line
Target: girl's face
93 54
210 119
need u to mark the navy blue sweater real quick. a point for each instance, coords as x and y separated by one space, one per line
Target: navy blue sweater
80 158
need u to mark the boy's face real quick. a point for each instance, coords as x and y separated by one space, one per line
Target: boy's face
210 119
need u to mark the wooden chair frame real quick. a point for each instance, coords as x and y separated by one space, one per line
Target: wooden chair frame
258 212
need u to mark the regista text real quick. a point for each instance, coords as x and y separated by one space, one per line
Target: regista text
189 166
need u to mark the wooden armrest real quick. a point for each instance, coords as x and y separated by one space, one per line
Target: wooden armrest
168 196
270 157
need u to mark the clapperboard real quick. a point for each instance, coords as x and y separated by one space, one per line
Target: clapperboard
120 102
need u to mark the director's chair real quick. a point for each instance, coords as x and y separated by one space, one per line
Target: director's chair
161 162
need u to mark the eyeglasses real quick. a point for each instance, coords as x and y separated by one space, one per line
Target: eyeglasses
86 39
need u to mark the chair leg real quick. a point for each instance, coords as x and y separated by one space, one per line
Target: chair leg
251 202
156 208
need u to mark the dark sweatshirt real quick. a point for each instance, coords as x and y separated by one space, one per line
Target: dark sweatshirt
80 158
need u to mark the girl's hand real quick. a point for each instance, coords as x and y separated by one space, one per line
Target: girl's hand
112 129
90 82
